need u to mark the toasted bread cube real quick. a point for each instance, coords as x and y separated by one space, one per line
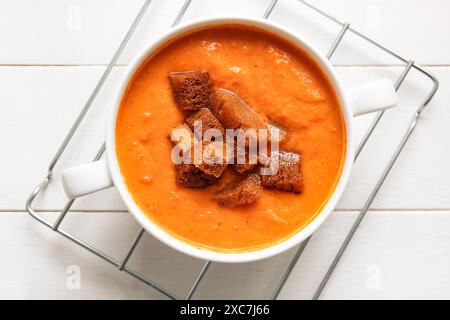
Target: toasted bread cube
243 192
190 176
233 112
213 159
214 170
243 168
288 177
207 120
191 89
273 131
246 166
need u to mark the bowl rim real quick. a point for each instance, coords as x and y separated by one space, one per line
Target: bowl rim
206 253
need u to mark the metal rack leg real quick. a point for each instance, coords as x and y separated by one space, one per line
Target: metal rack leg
199 278
270 8
289 269
338 40
183 10
131 250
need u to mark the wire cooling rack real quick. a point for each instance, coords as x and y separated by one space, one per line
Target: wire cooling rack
122 264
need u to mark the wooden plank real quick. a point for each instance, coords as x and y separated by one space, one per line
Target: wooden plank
77 32
401 255
34 124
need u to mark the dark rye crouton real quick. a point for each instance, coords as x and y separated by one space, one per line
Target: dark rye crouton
207 120
190 176
187 174
274 130
289 176
247 165
212 162
213 158
233 112
243 192
191 89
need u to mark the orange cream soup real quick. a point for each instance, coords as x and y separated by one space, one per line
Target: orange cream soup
276 79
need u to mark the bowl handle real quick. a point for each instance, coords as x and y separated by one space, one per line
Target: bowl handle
86 178
373 96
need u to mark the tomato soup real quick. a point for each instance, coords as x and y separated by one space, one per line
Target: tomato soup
276 79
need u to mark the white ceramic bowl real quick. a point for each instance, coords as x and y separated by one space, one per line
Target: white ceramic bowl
95 176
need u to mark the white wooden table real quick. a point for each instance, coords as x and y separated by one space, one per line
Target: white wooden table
51 56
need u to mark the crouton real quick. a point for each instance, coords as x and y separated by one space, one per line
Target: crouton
191 89
243 192
211 160
233 112
190 176
274 130
246 166
187 174
288 177
207 120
